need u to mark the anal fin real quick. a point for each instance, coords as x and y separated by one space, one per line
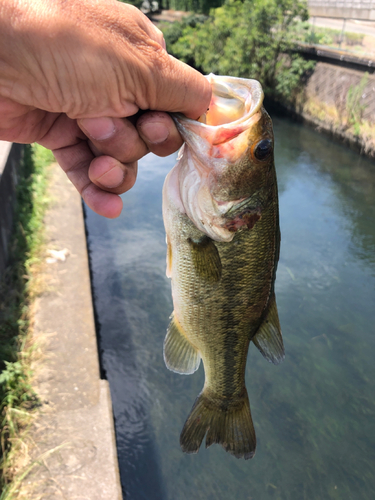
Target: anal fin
268 338
179 355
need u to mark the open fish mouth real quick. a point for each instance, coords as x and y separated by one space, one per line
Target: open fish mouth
231 102
234 103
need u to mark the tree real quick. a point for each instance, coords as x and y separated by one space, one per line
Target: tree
249 39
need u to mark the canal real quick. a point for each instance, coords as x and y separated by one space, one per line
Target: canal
314 414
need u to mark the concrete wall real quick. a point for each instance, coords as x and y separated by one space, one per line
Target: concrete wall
348 9
330 84
10 163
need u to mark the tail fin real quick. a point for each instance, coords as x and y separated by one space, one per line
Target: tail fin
231 427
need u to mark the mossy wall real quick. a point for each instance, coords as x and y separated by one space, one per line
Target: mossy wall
330 84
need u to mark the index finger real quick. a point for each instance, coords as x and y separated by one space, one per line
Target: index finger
72 151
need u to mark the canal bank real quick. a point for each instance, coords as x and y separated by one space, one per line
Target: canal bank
76 413
69 451
337 98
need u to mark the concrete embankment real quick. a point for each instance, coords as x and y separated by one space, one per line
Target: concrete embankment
339 99
73 455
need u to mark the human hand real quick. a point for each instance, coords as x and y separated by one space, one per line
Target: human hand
67 66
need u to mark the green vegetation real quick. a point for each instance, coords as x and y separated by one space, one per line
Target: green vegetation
328 36
354 105
201 6
136 3
17 289
250 39
346 114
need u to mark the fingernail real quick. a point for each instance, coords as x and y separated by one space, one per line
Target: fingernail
98 129
112 178
155 133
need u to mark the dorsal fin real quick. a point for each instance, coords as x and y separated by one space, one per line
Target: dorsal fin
268 338
179 355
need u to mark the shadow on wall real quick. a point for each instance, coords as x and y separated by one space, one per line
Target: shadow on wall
11 156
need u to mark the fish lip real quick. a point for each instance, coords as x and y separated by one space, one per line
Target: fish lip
241 123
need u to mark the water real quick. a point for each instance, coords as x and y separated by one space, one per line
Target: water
315 413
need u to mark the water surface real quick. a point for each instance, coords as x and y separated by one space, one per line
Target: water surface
314 414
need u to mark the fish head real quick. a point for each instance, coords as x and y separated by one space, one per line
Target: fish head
227 161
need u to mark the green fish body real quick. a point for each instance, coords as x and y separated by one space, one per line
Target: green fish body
220 208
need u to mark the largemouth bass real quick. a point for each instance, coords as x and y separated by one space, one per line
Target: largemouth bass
220 209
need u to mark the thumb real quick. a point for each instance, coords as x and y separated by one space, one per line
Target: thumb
180 88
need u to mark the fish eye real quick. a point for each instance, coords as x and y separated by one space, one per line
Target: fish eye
263 149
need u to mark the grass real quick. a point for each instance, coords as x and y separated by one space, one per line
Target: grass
331 116
17 291
329 36
358 43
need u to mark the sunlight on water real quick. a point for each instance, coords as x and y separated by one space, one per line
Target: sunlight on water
315 413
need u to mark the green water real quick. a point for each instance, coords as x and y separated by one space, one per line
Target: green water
314 414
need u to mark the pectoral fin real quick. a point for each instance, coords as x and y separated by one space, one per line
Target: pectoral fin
206 258
268 338
179 355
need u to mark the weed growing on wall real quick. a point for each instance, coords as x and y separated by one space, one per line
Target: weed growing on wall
354 104
17 290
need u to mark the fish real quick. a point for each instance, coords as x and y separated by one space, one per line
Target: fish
221 217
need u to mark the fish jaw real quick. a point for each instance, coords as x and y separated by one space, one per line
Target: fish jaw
218 134
216 168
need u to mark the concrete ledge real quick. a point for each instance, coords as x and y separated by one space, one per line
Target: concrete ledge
74 433
339 57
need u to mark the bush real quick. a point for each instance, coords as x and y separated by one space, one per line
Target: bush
248 39
355 105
